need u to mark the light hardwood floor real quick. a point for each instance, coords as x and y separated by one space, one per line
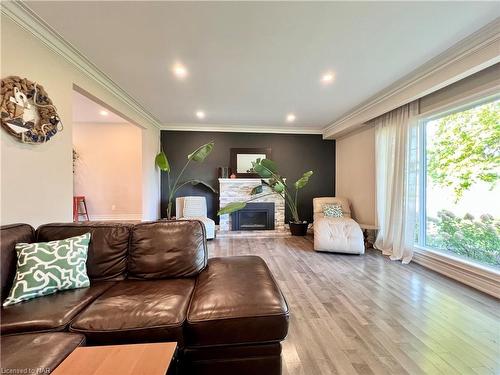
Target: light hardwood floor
367 315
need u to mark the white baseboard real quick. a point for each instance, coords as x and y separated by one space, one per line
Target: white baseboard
478 277
117 217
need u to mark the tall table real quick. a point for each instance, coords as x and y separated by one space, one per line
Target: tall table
137 359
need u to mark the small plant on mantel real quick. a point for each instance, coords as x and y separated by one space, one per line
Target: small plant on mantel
198 155
267 169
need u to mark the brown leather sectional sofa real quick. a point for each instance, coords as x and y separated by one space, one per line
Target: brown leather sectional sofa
150 282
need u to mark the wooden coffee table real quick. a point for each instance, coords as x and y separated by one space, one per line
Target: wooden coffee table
137 359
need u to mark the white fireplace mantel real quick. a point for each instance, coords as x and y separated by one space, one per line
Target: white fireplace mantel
240 180
238 189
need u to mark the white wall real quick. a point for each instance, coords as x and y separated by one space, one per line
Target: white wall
108 171
355 173
37 180
150 175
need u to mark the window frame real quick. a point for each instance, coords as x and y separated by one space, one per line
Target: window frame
420 245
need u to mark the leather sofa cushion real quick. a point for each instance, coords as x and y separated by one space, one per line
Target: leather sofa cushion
137 311
107 256
10 235
37 351
167 249
49 313
236 301
208 223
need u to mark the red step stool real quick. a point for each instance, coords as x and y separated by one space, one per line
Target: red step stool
77 202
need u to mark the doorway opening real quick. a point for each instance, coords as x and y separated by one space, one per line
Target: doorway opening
107 163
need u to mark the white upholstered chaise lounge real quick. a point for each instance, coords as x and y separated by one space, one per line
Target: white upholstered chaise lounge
336 234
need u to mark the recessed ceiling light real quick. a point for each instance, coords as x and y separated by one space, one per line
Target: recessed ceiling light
290 117
327 77
200 115
103 113
180 71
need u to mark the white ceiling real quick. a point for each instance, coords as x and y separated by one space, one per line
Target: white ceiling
251 63
86 110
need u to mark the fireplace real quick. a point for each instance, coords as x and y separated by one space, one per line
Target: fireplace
255 216
240 190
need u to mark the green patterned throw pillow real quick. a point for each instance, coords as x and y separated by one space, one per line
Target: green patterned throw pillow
333 210
48 267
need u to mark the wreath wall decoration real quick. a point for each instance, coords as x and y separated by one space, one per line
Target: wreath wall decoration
27 112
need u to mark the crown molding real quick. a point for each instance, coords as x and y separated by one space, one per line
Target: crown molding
24 17
470 55
240 128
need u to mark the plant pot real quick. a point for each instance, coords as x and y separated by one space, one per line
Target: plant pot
299 229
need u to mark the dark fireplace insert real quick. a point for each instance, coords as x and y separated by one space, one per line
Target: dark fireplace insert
255 216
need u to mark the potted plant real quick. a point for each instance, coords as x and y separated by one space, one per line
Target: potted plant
267 169
198 156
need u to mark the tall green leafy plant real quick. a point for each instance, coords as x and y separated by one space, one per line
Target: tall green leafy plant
466 149
268 170
198 156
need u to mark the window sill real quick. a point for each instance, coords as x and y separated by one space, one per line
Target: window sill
479 277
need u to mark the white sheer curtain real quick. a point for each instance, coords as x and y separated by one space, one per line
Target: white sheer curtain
396 160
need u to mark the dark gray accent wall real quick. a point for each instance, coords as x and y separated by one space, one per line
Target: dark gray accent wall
293 153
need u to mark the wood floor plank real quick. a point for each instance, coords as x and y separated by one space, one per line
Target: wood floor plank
369 315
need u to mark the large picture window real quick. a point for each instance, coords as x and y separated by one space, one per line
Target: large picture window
459 200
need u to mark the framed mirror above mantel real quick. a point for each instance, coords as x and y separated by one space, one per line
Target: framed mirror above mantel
241 160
